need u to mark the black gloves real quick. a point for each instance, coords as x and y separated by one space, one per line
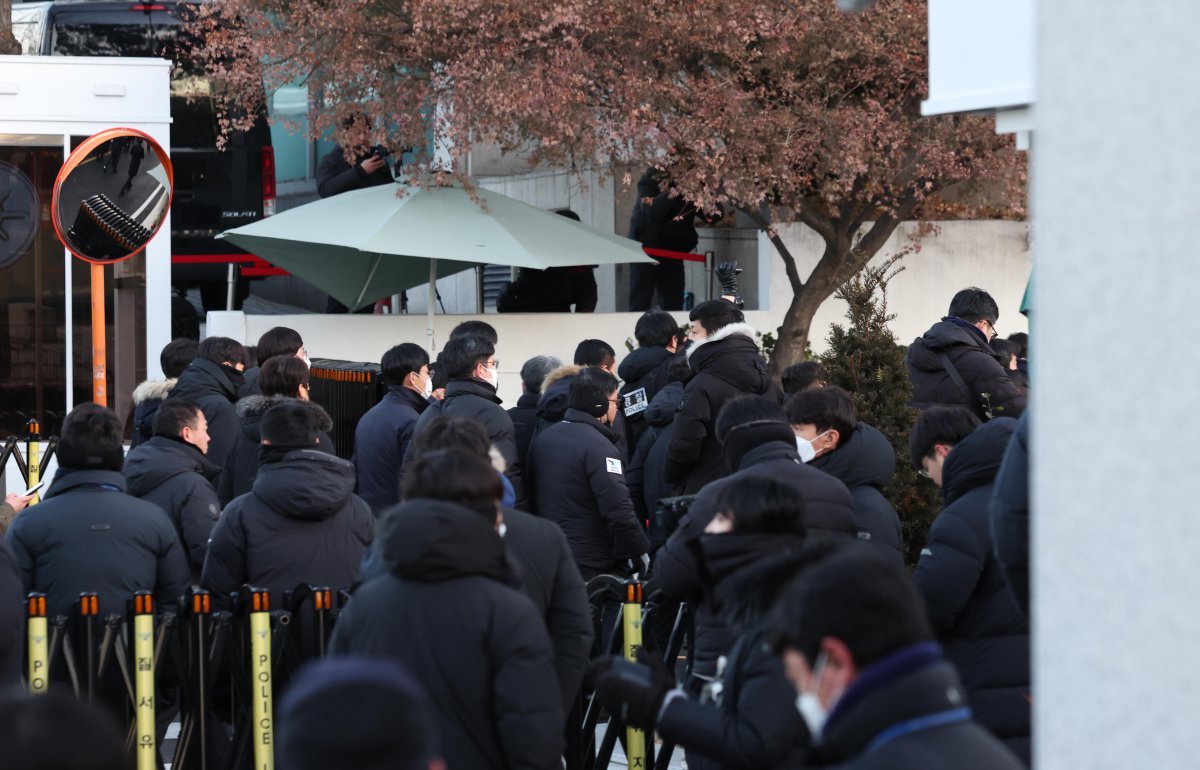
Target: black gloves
727 273
633 693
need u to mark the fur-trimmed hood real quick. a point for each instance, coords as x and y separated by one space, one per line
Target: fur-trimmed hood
561 373
250 411
744 329
153 390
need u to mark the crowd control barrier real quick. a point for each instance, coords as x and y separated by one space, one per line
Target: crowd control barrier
32 461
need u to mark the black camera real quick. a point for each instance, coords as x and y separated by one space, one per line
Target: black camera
379 151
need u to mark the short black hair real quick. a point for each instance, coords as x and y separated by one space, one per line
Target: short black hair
761 505
91 438
175 414
856 596
462 354
402 360
455 476
290 424
590 391
716 314
475 328
939 425
444 433
828 408
534 371
594 353
280 341
679 370
1021 340
176 355
1004 350
803 376
33 728
222 349
747 409
283 376
974 305
656 329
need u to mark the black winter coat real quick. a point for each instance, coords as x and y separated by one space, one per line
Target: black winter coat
250 382
301 523
865 462
983 630
477 400
647 468
12 618
968 350
644 372
525 420
829 511
381 440
146 398
890 703
726 365
177 477
450 613
336 176
756 725
1010 514
555 400
579 484
88 535
241 465
211 388
666 221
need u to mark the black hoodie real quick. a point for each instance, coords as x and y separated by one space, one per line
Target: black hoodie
177 477
865 462
726 365
984 632
968 351
301 523
644 372
450 612
213 388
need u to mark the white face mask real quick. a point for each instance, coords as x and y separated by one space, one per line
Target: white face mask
493 376
307 363
809 704
805 447
428 390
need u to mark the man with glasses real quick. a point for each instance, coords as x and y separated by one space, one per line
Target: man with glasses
952 363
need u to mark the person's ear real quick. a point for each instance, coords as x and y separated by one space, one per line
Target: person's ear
834 436
941 450
840 669
266 443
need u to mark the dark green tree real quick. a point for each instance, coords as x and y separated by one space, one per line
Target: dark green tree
865 359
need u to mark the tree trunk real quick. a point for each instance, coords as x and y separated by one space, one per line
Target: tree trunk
8 42
797 321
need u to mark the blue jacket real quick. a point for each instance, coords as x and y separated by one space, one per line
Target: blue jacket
381 440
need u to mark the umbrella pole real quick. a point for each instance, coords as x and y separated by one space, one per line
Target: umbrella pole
367 283
432 301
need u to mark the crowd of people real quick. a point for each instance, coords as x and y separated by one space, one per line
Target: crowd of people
467 533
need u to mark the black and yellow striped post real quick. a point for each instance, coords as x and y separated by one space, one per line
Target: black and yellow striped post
261 686
635 739
33 448
39 643
143 680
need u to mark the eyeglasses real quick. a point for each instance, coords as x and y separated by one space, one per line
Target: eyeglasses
993 335
494 363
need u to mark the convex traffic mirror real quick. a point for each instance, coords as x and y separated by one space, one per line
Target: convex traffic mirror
112 195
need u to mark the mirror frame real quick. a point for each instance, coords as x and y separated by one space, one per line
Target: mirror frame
73 161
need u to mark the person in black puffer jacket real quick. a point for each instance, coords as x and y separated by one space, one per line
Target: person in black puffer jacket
524 415
212 382
660 220
578 481
856 453
12 618
1009 514
171 471
726 363
452 611
646 480
282 379
962 337
469 365
756 535
556 390
984 632
758 444
645 371
277 341
174 358
301 523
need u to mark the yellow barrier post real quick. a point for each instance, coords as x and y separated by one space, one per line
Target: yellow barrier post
635 739
260 670
33 448
143 680
39 643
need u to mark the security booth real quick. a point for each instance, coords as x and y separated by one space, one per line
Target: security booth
49 106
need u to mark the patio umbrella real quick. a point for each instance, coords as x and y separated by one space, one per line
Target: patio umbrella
370 243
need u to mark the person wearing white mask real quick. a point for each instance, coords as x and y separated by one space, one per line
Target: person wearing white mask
384 433
830 436
872 685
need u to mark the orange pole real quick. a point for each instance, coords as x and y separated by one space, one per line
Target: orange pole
99 344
